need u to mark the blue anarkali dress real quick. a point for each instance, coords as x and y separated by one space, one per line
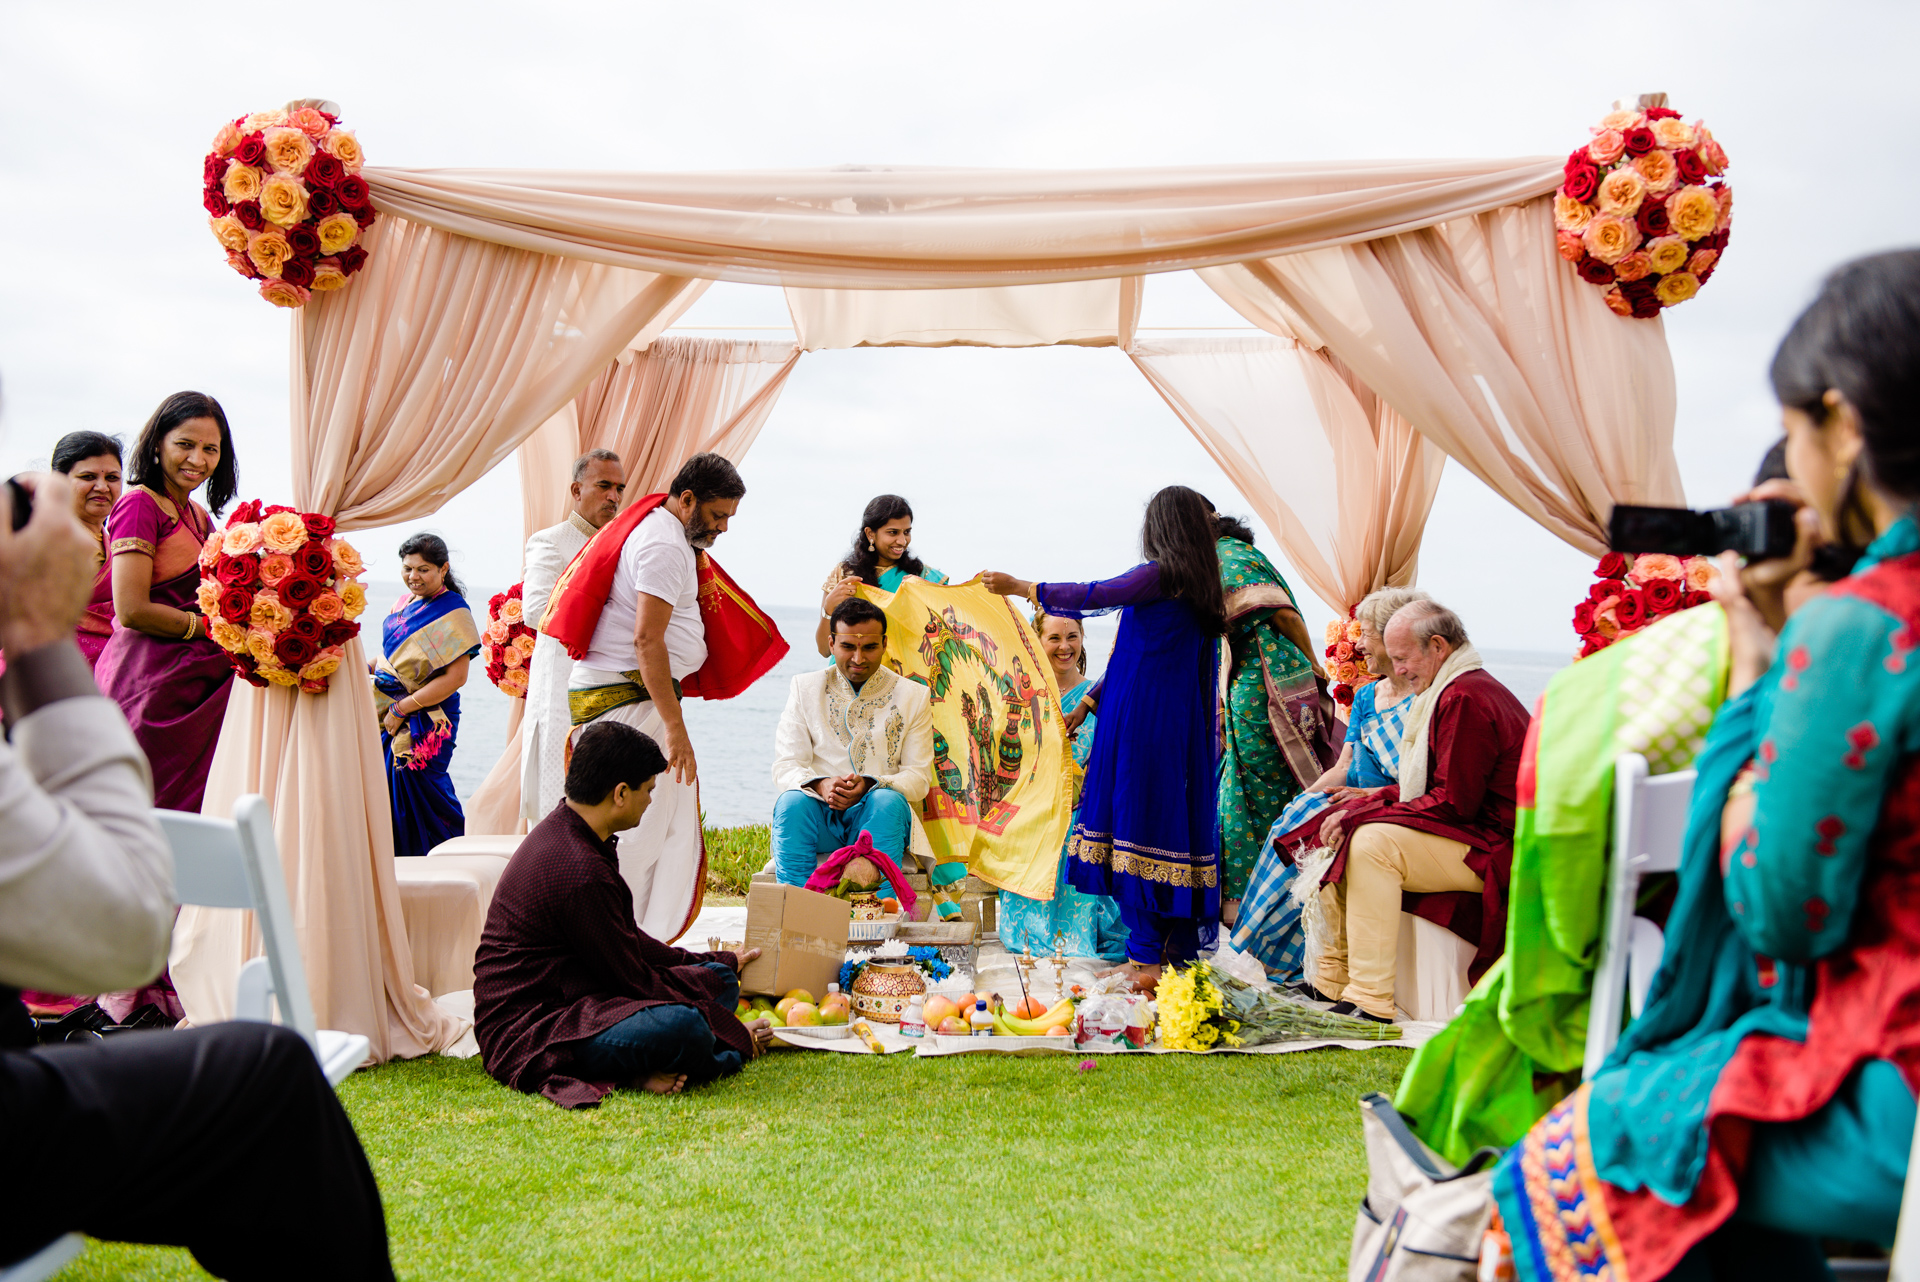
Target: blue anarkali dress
1148 832
419 640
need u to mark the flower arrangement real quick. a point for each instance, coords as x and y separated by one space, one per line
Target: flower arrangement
507 644
1346 666
285 199
280 594
1631 592
1200 1008
1636 214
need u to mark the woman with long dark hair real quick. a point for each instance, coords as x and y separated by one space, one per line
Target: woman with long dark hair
1148 831
882 557
426 645
91 460
160 666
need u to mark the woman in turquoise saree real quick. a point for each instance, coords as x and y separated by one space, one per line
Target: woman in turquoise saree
1073 923
426 644
882 557
1764 1099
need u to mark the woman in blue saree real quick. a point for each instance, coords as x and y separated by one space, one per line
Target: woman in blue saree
427 642
1148 834
882 557
1269 925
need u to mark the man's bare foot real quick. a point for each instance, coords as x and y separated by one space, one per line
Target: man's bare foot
665 1083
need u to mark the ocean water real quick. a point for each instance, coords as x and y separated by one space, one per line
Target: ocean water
733 738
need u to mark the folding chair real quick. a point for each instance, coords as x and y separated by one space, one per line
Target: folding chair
45 1262
220 863
1649 824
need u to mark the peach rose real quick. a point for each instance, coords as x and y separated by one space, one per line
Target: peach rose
1673 132
1335 629
208 595
1617 301
1676 287
260 646
1622 120
1570 214
210 551
1667 253
283 532
1634 266
229 231
513 658
524 644
238 540
1610 238
268 251
1658 169
1655 565
345 148
1693 212
1714 157
268 614
1603 621
274 567
1354 631
230 637
512 611
284 293
1570 245
1699 572
337 232
241 183
327 276
513 682
279 675
283 199
346 560
1620 193
327 608
263 120
497 632
1724 198
242 264
353 599
1702 261
288 150
309 121
227 139
324 664
1606 146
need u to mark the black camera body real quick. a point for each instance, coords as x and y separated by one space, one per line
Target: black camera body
1760 531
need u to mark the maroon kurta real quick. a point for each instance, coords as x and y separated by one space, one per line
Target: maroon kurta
1473 766
560 961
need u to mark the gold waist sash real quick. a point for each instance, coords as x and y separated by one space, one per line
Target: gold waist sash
592 702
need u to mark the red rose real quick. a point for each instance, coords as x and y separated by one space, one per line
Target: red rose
248 212
1604 589
1581 183
237 571
364 217
1578 158
1593 271
309 627
325 168
1591 645
297 591
495 601
294 650
318 527
1640 293
305 242
1583 617
277 507
1652 218
352 259
297 271
215 202
246 513
322 203
1663 595
496 672
252 150
1631 610
352 191
514 591
1662 113
1692 168
236 604
339 632
1343 693
1641 141
331 118
1695 598
313 561
1612 566
214 170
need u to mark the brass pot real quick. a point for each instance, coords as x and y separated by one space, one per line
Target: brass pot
883 990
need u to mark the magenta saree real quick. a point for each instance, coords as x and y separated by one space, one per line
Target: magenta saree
174 693
96 625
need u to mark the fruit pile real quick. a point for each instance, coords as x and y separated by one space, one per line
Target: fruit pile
1028 1018
797 1010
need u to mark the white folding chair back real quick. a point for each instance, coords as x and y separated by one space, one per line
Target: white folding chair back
235 863
45 1262
1905 1264
1649 825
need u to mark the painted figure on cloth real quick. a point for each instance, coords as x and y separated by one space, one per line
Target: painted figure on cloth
882 557
426 645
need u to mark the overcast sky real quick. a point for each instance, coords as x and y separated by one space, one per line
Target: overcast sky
1037 462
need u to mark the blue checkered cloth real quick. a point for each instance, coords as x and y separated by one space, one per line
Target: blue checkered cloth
1269 926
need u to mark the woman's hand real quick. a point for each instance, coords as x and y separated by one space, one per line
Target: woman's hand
1766 583
392 723
1081 711
1005 584
1750 636
839 594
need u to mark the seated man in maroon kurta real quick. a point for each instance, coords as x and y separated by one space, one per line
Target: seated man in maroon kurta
1443 840
570 998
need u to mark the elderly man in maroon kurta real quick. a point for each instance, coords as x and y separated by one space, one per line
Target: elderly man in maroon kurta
1444 838
571 999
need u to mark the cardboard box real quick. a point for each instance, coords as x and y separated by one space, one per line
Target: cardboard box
802 938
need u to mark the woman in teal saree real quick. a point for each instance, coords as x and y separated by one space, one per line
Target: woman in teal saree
882 557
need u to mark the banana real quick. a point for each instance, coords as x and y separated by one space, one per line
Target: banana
1062 1010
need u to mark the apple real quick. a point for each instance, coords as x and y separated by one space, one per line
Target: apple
953 1026
803 1015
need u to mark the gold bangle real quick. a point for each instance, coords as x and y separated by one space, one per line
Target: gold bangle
193 621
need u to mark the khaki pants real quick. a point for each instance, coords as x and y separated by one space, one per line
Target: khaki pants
1363 910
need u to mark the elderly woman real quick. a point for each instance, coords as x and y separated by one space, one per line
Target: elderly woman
91 460
1269 923
1765 1097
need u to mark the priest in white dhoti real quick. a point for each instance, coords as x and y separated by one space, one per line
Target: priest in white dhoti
854 752
598 484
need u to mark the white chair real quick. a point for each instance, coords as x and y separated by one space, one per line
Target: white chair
220 863
45 1262
1649 824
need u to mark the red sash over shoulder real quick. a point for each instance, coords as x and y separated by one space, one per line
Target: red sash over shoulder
742 642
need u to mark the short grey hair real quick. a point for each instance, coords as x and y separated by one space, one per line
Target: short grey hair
1430 619
592 456
1377 607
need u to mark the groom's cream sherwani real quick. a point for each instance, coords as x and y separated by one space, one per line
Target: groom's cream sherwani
543 733
884 730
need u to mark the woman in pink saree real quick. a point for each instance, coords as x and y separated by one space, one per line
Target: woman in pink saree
91 460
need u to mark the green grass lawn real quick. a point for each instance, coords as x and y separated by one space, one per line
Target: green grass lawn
812 1165
734 855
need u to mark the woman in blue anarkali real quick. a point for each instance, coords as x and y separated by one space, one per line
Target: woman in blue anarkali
426 644
1148 832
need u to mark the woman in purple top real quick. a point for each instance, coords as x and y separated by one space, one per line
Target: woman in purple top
167 675
1148 833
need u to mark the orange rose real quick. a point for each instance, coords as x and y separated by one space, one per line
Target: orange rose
309 121
345 148
1673 132
283 293
274 567
260 646
283 532
230 637
1699 572
326 276
288 150
1606 146
283 198
1570 245
1702 261
514 683
353 599
268 251
242 182
278 675
1658 169
327 608
324 665
524 644
229 232
1724 198
1622 120
337 232
208 595
210 552
346 561
238 540
242 264
227 139
497 632
513 658
263 120
269 615
1617 301
1655 565
512 611
1570 214
1633 267
1620 193
1667 253
1676 287
1693 212
1610 238
1714 157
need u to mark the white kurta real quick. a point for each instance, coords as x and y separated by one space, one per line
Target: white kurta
884 731
543 733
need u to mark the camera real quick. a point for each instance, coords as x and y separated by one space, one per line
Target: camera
21 502
1760 531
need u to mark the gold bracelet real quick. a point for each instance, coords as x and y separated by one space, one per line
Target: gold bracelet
193 621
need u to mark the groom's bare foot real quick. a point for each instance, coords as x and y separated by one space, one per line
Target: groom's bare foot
665 1083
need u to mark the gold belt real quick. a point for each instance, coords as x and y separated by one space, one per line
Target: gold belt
593 702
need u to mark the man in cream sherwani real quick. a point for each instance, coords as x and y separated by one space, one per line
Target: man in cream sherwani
598 483
854 751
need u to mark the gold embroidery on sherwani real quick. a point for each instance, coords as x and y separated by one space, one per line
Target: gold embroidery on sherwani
896 732
853 716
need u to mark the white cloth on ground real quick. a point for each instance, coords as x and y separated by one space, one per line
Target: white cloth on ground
544 729
658 561
884 730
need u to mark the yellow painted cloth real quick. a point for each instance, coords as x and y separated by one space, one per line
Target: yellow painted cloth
1003 778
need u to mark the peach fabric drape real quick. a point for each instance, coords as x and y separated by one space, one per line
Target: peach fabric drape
1487 342
443 356
653 408
1342 480
1080 313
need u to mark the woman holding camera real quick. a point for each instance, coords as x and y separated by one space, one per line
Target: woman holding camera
1765 1097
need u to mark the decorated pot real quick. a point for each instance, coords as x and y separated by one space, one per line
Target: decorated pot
881 991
